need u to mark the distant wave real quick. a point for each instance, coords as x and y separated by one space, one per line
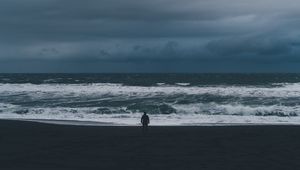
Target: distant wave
285 90
183 84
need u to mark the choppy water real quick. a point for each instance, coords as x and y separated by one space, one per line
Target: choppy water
170 99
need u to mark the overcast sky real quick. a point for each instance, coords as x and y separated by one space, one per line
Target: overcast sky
149 36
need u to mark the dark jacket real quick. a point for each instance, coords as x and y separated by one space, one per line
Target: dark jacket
145 119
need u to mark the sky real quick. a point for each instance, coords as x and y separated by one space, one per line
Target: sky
70 36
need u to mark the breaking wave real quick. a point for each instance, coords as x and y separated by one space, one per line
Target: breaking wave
176 104
278 90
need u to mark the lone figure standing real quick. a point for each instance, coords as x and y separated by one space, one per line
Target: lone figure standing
145 121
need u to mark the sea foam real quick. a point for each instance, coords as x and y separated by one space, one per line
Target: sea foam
179 104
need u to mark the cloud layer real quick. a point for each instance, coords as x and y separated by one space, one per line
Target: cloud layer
149 36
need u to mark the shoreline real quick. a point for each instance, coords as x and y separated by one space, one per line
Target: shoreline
95 123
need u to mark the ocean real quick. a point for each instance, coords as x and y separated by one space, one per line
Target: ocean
169 99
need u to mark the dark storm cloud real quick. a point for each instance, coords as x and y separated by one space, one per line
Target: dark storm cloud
252 46
157 34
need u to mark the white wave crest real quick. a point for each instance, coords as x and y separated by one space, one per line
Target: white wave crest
237 109
287 90
173 119
186 115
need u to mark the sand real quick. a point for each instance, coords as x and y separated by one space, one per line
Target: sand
30 145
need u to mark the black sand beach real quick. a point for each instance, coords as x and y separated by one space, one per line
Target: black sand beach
28 145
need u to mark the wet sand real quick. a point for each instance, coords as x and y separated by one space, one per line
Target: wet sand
29 145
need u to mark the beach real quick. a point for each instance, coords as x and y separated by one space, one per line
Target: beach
31 145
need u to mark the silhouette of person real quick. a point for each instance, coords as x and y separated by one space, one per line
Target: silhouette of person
145 121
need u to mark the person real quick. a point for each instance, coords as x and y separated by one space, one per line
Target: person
145 121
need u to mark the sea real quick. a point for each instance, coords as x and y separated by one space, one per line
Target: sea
169 99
